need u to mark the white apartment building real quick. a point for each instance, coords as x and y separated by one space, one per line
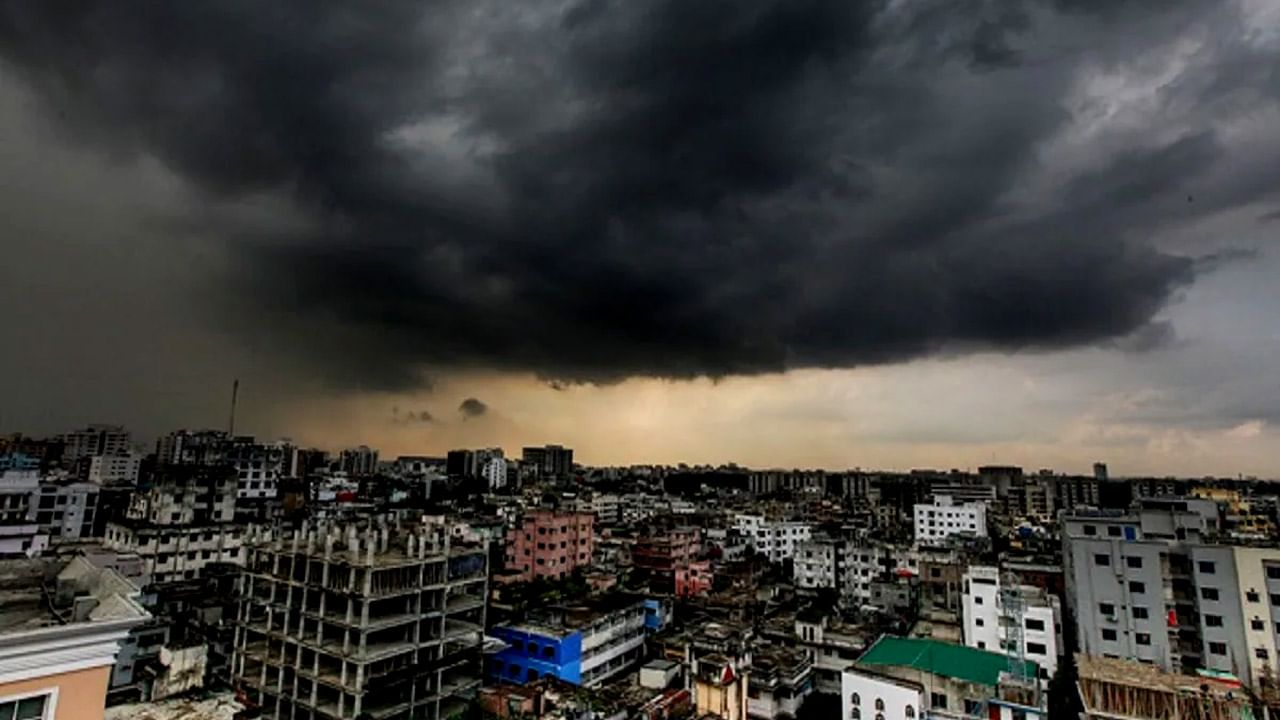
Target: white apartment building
987 621
936 522
863 565
16 489
606 507
494 472
22 539
816 566
64 512
115 469
171 553
638 507
776 539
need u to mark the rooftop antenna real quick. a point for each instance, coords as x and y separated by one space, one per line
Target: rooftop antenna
235 392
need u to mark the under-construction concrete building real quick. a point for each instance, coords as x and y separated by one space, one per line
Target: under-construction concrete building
360 620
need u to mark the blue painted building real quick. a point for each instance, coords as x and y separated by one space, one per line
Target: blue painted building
585 644
657 613
533 652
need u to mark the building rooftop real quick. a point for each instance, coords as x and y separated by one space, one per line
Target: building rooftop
43 592
219 707
959 662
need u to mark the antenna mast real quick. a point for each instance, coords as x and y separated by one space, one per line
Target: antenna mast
235 392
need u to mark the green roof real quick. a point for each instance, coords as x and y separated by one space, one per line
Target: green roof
940 658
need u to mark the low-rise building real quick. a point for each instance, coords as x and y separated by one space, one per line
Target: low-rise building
956 681
584 644
180 523
779 681
660 555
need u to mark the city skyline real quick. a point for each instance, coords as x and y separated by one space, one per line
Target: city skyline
802 234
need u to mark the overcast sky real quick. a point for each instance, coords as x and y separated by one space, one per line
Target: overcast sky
891 233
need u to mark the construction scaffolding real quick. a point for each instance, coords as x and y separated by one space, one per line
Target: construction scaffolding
370 617
1112 688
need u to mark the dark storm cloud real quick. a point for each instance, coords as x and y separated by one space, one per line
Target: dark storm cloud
597 189
472 408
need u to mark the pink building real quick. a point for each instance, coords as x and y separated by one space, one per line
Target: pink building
548 544
694 579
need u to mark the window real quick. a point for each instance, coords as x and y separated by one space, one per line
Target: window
1206 566
879 716
1257 624
1033 624
1139 612
548 651
1108 634
909 712
938 701
1252 596
977 600
979 622
1133 561
1273 572
1209 593
1113 531
1213 621
855 714
856 699
533 674
1260 653
1090 530
29 708
1102 559
1142 638
1218 648
1037 649
880 704
1137 587
1106 608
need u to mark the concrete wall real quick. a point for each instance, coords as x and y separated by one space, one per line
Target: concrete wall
896 697
1092 586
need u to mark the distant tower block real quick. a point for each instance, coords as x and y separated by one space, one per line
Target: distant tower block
1100 471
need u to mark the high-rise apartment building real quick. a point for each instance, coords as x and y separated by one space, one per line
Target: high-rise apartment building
1159 584
549 461
359 462
94 440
